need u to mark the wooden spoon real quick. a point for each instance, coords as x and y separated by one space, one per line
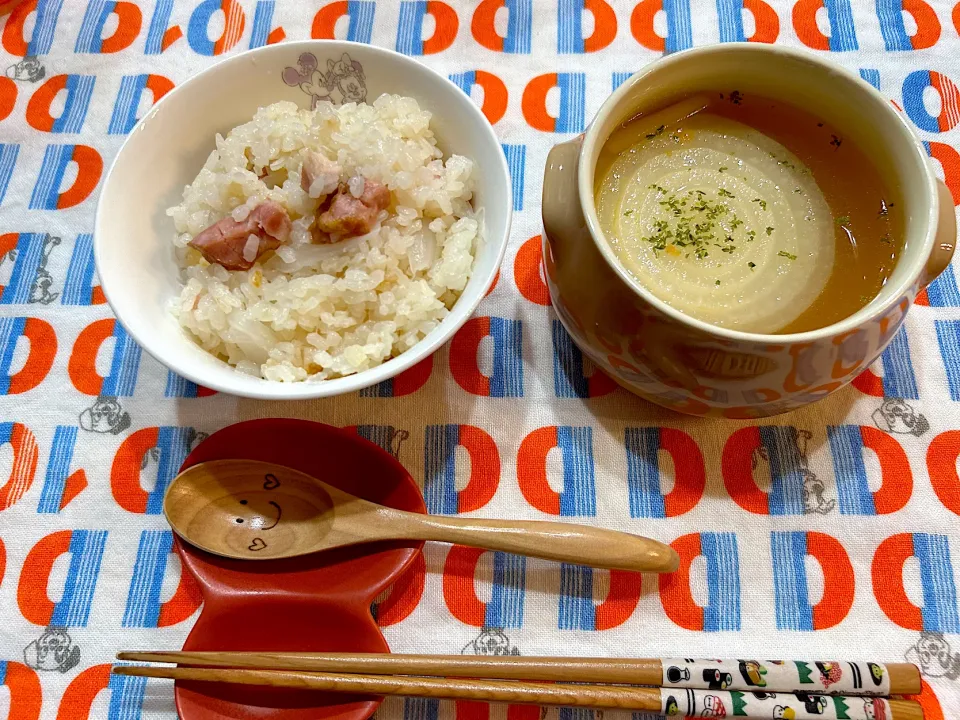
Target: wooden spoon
256 511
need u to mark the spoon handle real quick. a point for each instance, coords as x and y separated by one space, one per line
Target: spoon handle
563 542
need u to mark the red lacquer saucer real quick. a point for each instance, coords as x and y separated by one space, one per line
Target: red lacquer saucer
315 603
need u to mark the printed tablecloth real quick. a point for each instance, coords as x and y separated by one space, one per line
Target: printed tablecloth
831 532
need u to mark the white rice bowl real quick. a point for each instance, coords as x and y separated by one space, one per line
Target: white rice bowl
313 312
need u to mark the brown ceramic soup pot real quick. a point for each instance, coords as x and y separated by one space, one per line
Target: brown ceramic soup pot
688 365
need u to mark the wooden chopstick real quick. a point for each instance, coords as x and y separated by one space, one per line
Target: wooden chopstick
904 678
584 670
688 703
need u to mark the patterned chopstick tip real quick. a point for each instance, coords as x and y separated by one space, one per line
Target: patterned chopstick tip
688 702
824 677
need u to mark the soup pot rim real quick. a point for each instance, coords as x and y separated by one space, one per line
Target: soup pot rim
916 260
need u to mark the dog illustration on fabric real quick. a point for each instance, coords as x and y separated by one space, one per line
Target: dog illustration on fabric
151 459
106 415
40 291
896 416
343 81
934 656
396 438
54 650
815 501
27 70
490 641
7 262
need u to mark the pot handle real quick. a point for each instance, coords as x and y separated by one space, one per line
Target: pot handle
946 238
562 216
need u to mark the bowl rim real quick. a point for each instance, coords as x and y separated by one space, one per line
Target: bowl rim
261 388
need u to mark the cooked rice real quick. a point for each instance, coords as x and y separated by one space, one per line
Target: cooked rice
312 312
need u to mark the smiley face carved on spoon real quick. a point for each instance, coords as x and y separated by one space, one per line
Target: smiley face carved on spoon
265 520
260 522
254 510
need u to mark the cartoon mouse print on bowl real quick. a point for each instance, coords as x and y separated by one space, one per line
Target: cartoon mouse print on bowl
343 82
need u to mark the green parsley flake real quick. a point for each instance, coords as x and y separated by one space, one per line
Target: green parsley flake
723 169
751 265
769 230
886 239
788 256
717 283
722 192
843 220
627 212
695 222
658 131
763 203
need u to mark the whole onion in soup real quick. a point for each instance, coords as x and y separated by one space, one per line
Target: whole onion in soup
730 226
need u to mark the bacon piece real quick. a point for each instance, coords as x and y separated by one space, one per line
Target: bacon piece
347 216
224 241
